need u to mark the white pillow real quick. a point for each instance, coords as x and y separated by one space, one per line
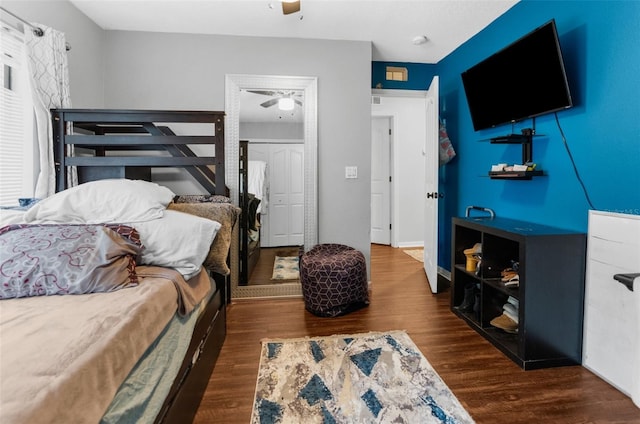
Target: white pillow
103 201
178 240
11 216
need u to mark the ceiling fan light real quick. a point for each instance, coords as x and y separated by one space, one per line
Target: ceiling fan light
286 103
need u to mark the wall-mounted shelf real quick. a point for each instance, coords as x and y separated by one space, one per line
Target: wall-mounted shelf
511 139
515 175
526 140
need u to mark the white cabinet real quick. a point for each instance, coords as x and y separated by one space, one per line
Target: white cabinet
612 310
283 219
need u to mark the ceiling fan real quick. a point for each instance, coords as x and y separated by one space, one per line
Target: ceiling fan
290 97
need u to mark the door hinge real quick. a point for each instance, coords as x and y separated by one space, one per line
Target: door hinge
389 178
389 131
389 226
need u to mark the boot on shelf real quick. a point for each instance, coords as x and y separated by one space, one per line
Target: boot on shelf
469 298
476 304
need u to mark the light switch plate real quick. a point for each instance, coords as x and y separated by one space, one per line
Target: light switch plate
350 172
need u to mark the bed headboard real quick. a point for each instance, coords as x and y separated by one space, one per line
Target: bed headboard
97 132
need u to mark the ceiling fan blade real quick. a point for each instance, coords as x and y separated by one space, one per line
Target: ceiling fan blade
269 103
264 93
289 7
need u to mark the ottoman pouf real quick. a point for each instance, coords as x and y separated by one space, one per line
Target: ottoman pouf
333 279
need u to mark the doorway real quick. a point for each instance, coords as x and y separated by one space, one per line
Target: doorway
415 169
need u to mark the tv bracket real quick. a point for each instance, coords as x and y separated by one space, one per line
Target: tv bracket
525 139
527 146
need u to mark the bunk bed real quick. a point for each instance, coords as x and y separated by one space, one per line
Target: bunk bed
253 200
104 131
195 293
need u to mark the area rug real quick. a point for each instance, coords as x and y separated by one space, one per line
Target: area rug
417 254
360 378
285 268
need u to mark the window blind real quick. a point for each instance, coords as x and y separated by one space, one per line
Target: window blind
16 118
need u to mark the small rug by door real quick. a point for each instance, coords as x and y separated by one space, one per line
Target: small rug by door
360 378
417 254
285 268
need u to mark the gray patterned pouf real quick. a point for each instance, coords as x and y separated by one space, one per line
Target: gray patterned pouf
334 280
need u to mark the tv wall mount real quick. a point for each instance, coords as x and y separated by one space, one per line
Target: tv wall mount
526 140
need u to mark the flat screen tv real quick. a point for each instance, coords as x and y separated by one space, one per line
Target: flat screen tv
525 79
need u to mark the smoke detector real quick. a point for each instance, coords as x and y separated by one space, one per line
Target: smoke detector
420 39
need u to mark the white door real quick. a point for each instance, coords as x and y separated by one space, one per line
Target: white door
431 188
286 196
296 195
380 181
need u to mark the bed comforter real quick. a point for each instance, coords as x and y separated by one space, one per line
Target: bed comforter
62 358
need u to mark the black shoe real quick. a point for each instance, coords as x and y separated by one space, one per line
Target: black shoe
469 299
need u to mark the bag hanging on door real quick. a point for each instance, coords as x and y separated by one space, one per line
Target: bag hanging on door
445 147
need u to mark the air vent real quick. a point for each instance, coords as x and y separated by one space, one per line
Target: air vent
395 73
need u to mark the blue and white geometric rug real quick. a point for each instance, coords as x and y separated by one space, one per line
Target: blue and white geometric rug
285 268
361 378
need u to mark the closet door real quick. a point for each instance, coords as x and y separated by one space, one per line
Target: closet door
286 209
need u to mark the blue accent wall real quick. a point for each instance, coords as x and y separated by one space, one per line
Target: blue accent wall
600 41
600 45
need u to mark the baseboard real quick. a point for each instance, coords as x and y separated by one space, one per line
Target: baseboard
444 280
444 273
411 244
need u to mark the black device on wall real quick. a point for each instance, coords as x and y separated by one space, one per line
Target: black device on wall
525 79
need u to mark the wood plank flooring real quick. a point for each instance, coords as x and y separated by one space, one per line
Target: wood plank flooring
491 387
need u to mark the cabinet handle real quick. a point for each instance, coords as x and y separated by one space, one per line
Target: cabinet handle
480 208
626 279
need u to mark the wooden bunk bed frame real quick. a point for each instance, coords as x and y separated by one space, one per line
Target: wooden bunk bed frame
104 130
249 252
101 131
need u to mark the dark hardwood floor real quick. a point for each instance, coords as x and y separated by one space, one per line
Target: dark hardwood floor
491 387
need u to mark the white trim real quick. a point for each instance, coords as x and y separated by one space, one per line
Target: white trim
406 244
398 93
233 85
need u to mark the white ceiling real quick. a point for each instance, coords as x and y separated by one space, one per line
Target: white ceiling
390 25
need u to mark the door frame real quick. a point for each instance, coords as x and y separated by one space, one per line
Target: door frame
393 166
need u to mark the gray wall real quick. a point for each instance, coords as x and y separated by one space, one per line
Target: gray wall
123 69
86 64
272 130
181 71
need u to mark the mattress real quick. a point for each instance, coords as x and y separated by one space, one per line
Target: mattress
62 358
141 396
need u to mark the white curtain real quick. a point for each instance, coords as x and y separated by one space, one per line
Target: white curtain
50 80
